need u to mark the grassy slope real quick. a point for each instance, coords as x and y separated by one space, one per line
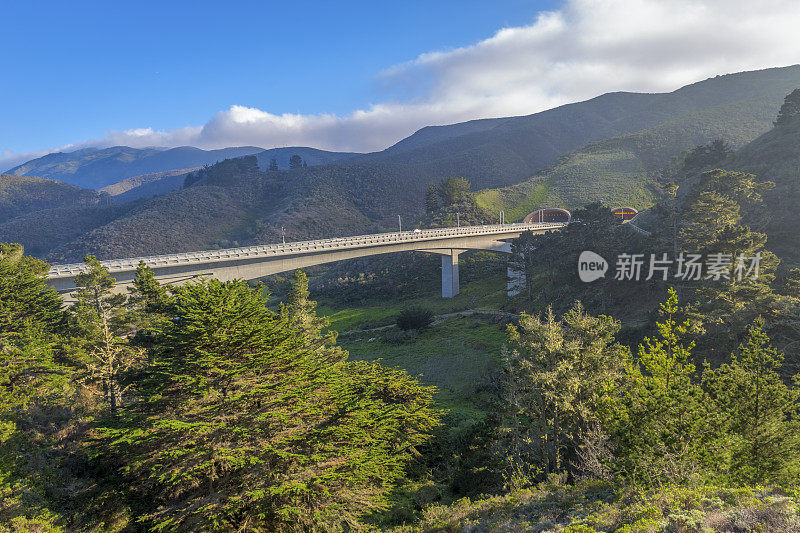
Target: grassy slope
457 355
621 170
20 195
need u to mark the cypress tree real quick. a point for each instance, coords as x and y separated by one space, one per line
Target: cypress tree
240 424
103 322
557 374
25 298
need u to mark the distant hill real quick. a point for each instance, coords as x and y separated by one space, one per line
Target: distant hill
153 184
20 195
311 156
147 185
609 148
129 184
95 169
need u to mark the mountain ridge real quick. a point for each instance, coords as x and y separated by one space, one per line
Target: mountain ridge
361 193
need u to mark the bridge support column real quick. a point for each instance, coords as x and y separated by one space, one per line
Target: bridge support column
450 286
516 281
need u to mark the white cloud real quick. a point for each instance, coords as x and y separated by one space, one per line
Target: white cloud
585 48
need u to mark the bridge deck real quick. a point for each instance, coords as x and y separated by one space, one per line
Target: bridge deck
294 248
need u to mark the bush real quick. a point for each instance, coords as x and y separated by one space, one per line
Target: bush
414 318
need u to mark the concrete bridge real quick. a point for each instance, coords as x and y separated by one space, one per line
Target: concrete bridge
255 262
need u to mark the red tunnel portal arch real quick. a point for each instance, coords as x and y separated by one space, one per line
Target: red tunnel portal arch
624 213
548 214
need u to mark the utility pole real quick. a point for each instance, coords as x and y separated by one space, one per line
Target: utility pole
283 235
400 223
458 220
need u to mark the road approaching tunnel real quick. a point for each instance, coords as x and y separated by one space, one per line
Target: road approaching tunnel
548 215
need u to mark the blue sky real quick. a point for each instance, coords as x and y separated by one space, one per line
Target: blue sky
348 75
77 69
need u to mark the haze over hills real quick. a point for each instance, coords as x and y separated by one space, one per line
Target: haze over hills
610 148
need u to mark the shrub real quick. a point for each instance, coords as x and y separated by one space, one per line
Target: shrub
414 318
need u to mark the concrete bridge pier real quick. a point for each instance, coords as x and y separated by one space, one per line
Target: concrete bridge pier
450 285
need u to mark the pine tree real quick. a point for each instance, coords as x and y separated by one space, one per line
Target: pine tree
295 162
453 190
147 300
557 374
713 225
273 164
35 394
103 321
761 410
31 318
241 426
660 425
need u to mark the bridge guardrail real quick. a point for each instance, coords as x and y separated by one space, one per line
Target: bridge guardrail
291 248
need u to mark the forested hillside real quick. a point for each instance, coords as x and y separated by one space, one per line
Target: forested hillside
775 156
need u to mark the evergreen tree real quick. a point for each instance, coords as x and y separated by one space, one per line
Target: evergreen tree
760 409
30 320
25 298
35 394
790 109
241 426
295 162
452 202
557 374
713 226
102 319
431 199
660 424
707 155
147 299
453 190
273 164
299 311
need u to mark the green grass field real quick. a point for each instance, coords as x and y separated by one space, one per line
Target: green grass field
457 355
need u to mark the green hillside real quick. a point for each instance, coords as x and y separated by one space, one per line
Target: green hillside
775 156
621 170
20 195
